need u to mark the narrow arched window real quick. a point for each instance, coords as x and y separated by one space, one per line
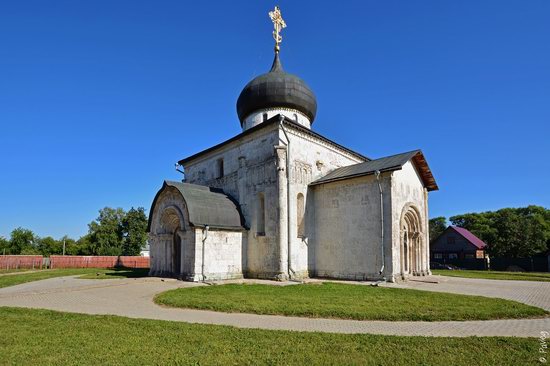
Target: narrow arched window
219 168
264 117
260 215
295 118
300 213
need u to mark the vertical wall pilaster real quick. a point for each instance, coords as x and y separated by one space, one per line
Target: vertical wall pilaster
282 219
427 235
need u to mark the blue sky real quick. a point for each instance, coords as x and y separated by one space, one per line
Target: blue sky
99 99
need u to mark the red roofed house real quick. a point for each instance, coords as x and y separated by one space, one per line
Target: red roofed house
457 243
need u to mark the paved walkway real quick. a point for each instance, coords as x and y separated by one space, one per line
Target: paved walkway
133 298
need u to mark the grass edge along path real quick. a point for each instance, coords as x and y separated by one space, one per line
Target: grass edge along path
38 337
495 275
343 301
89 273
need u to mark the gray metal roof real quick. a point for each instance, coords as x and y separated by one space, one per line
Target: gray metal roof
389 163
206 206
276 88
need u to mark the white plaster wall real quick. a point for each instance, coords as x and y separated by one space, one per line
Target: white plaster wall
162 234
257 117
222 254
250 167
310 159
347 230
408 189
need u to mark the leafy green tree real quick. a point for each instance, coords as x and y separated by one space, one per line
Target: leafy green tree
510 232
106 232
22 241
82 246
4 245
48 245
69 243
437 227
134 226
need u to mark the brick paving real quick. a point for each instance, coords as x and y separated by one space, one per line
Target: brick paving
134 298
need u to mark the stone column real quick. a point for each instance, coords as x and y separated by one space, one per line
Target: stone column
282 219
241 187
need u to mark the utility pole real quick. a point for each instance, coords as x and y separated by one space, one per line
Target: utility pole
63 246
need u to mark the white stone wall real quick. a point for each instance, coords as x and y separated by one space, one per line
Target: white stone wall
408 191
342 219
249 169
310 159
262 115
346 241
222 254
251 166
168 217
347 230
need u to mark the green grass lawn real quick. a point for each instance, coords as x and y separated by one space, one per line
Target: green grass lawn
496 275
334 300
43 337
16 279
5 271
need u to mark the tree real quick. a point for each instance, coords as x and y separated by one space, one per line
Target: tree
510 232
70 244
22 241
437 227
4 245
48 245
116 232
105 233
80 247
134 226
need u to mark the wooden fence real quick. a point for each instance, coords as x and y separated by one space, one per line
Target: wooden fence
76 261
21 262
71 261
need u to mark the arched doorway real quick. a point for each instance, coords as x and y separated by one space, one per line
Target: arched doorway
172 229
176 254
412 246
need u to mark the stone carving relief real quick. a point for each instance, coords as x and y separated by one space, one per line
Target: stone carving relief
263 173
301 173
227 183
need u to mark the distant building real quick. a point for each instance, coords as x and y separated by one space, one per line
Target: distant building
457 243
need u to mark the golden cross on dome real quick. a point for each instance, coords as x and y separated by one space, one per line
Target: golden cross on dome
278 24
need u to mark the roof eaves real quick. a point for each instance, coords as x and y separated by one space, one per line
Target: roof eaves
301 128
270 122
362 174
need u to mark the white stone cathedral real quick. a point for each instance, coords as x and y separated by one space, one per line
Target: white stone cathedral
280 201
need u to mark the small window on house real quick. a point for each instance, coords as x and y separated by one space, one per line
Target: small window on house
438 255
453 256
264 117
300 213
219 168
450 240
260 215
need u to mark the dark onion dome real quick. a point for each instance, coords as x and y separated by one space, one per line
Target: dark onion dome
276 89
